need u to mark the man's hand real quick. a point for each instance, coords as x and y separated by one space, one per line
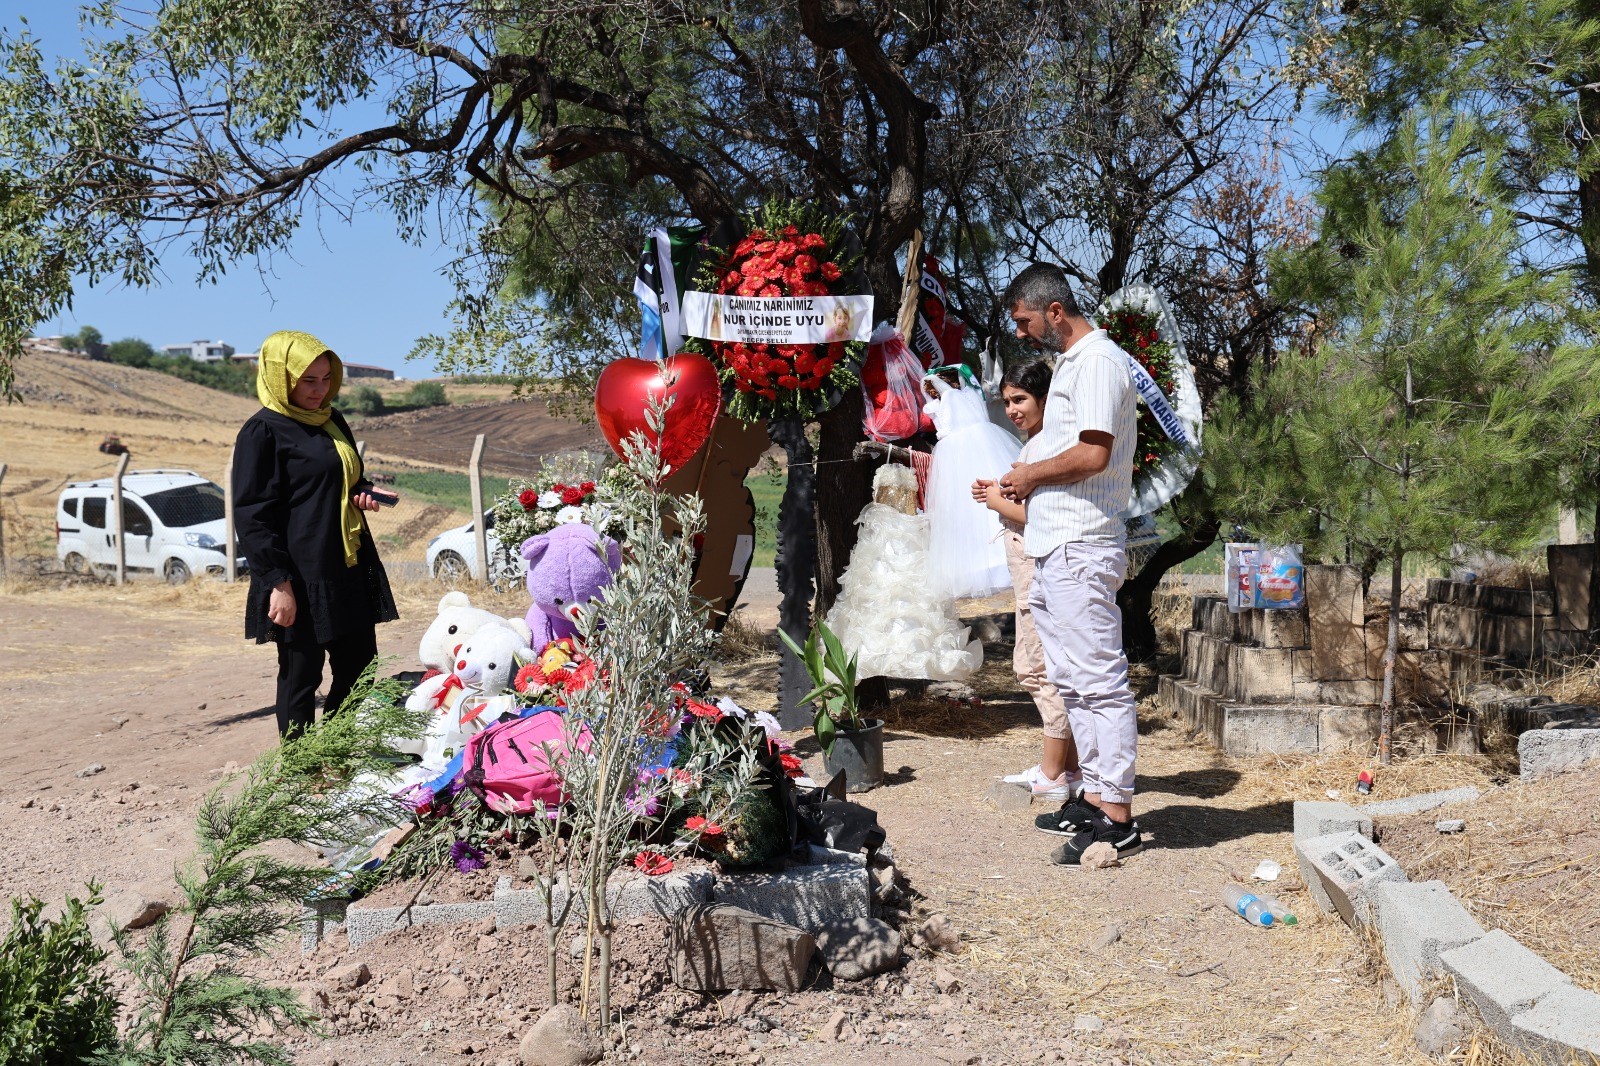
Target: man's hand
281 607
1018 485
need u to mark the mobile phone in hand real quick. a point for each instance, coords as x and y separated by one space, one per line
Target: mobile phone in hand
384 499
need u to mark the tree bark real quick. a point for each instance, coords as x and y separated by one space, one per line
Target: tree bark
1139 638
1391 653
798 526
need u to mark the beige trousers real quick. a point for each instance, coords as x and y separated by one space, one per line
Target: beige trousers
1028 659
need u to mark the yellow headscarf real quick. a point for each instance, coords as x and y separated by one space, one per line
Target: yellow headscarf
285 356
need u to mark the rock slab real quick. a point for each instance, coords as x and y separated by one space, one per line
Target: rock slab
1542 752
716 947
806 897
1442 1026
859 948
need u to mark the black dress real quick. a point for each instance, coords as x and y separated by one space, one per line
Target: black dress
288 490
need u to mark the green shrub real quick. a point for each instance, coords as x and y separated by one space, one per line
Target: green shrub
362 400
425 394
56 1006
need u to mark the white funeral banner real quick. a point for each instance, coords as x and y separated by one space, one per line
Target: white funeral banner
777 319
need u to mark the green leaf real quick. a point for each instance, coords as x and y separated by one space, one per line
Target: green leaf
826 731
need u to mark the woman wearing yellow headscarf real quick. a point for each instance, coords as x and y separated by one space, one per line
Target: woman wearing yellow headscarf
317 587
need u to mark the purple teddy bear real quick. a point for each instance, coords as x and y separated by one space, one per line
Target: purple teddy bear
567 567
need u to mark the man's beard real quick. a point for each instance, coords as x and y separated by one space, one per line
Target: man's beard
1053 341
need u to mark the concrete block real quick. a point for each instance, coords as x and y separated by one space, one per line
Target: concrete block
1219 623
1283 629
1416 923
1514 638
1542 752
1335 608
806 897
1210 667
1345 727
1200 609
368 923
1451 626
1570 566
1563 1026
1259 675
1502 599
1423 676
1425 801
1341 869
1357 691
318 919
1318 818
1501 977
1304 665
1246 626
1510 714
1442 590
1261 729
629 895
1562 643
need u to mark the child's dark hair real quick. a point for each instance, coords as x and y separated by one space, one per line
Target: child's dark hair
1032 377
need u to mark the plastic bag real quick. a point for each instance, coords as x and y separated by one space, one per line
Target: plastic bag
1280 578
891 382
1239 574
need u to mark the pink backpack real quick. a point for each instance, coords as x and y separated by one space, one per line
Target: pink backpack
508 765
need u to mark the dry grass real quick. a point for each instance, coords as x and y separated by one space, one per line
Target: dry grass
1575 680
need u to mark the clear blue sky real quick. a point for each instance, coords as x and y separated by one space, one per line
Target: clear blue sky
359 287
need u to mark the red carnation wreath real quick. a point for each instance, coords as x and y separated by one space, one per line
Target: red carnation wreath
790 250
1137 332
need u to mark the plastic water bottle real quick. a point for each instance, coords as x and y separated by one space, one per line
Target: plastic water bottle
1281 915
1247 905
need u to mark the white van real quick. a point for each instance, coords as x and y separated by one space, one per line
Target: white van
172 525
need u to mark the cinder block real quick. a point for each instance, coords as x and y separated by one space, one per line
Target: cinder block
1210 670
1563 1026
1262 729
1319 818
368 923
1502 977
1283 629
629 895
806 897
1341 869
1219 623
1542 752
1425 801
1570 567
318 919
1241 625
1334 603
1423 676
1357 691
1417 922
1259 675
1200 609
1345 727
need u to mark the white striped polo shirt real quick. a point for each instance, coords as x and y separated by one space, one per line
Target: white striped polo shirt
1090 390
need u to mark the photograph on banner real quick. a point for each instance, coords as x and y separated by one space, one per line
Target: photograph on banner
777 319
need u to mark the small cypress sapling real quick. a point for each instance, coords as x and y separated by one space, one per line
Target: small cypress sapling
195 1004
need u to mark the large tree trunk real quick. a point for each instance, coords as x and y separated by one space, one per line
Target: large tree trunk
1589 209
1391 653
796 566
1136 596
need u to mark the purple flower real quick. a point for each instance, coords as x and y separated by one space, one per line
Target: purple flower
466 857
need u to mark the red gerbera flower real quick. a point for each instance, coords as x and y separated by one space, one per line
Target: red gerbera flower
580 678
701 709
785 251
530 676
712 835
792 766
652 863
812 242
788 381
806 263
831 271
791 231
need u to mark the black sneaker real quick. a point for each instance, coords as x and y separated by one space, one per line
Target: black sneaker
1075 815
1124 837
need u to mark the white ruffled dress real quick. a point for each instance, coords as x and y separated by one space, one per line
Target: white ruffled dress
966 556
889 615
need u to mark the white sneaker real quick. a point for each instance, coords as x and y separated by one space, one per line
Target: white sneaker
1062 787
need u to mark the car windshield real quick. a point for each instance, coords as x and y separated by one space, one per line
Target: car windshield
186 505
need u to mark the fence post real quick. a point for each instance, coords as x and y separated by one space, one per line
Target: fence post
1567 527
361 449
230 567
116 510
2 522
480 538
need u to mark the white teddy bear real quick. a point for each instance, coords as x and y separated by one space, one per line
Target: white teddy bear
485 666
454 626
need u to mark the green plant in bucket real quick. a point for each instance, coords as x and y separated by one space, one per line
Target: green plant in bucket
833 679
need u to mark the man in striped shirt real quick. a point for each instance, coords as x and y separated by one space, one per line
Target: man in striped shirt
1076 497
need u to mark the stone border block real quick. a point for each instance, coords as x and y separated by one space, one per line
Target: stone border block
1419 922
1317 818
1341 869
368 923
1542 752
806 897
1426 801
1503 978
318 919
629 896
1561 1027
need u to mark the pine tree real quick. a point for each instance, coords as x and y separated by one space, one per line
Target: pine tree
1432 400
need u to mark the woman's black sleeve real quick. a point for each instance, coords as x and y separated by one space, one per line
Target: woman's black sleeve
259 517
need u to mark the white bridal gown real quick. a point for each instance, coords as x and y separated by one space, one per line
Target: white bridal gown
966 557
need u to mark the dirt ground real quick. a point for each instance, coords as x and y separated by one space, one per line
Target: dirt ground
157 685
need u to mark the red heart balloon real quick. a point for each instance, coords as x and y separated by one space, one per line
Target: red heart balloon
626 387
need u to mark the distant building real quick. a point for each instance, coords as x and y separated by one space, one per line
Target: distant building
201 351
351 370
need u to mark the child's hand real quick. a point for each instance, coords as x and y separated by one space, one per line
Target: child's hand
993 497
981 489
